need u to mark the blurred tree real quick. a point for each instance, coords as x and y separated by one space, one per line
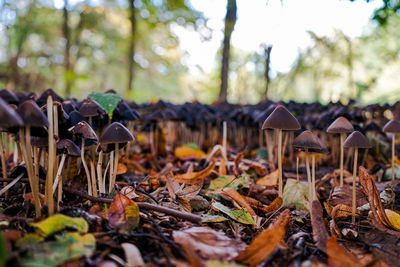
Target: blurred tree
230 21
267 55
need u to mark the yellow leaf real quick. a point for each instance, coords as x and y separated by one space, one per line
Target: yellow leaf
269 179
394 218
184 152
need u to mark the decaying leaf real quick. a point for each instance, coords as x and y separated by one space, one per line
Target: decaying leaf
232 193
208 243
186 192
265 243
275 205
269 180
242 216
387 197
132 255
295 193
320 233
123 213
338 256
60 222
229 181
195 176
341 211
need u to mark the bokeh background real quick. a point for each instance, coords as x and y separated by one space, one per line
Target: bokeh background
308 50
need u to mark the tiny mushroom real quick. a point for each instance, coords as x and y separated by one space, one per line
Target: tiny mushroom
341 126
393 127
115 134
281 119
355 140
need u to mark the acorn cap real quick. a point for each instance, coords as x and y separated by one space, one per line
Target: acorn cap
8 116
116 133
66 146
83 129
32 115
340 125
307 140
90 108
392 126
357 139
281 118
8 96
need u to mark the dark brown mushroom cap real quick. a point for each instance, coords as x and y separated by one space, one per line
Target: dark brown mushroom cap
66 146
116 133
392 126
8 116
307 140
62 115
83 129
49 92
90 108
8 96
38 141
357 139
281 118
32 115
107 148
340 125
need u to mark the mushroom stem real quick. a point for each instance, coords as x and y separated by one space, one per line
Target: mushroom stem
26 148
51 157
99 174
297 169
342 136
36 162
111 161
280 186
353 210
314 195
224 137
93 176
86 167
308 178
393 150
59 170
115 167
3 159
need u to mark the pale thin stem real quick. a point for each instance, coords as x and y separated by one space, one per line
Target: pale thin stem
99 173
7 187
110 186
308 178
115 166
297 169
93 178
342 136
3 158
51 157
393 154
353 210
86 167
280 185
313 177
60 167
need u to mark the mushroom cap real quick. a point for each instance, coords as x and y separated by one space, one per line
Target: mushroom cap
116 133
281 118
8 116
308 140
357 139
49 92
372 127
90 108
392 126
32 115
83 130
66 146
38 141
8 96
340 125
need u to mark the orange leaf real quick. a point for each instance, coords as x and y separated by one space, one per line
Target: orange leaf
269 180
239 199
265 243
121 169
275 205
194 176
338 256
185 152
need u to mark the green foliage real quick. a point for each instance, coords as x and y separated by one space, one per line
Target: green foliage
242 216
108 101
59 222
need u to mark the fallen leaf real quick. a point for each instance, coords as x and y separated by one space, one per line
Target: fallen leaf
394 218
341 211
195 176
60 222
121 169
208 243
343 195
232 193
269 180
275 205
213 218
229 181
265 243
123 213
132 255
242 216
319 231
295 193
183 152
338 256
129 192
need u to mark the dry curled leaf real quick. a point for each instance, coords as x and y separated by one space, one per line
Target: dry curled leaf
232 193
265 243
195 176
275 205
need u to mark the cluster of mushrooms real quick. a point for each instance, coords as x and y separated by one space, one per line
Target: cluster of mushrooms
47 133
282 120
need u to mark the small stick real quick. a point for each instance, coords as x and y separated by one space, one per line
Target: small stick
7 187
59 170
280 162
353 210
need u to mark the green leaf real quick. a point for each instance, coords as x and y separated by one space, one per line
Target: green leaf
229 181
60 222
242 216
295 193
192 146
212 219
54 253
3 250
108 101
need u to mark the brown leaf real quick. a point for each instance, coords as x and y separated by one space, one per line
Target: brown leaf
208 244
270 180
123 213
338 256
236 168
320 233
195 176
275 205
343 195
239 199
222 167
265 243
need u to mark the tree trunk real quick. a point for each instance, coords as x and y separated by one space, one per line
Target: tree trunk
131 53
67 60
230 21
267 55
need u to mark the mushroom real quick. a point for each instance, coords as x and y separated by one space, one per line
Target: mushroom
8 118
341 126
309 142
83 131
32 116
356 140
90 108
281 119
115 134
393 127
67 148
